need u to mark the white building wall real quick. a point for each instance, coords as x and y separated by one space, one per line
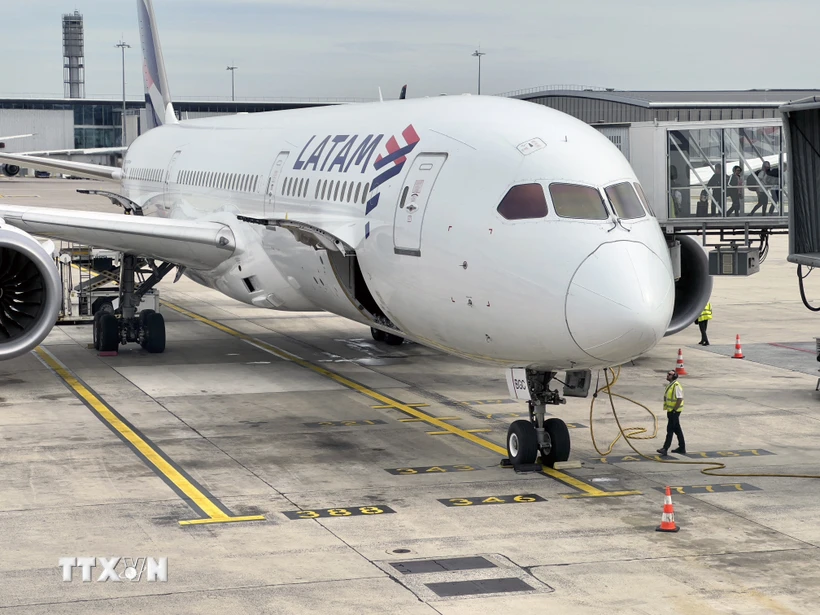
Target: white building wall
51 129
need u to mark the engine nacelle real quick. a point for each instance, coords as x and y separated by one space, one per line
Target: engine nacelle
10 170
30 292
694 286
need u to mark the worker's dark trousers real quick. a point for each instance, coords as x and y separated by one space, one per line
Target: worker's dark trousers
703 324
673 427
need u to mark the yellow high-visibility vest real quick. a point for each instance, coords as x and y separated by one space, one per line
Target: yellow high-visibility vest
706 314
670 398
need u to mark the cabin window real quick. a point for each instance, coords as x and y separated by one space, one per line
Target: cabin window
324 188
307 185
336 192
284 185
344 189
624 201
523 202
358 189
256 179
350 192
301 191
579 202
364 193
318 189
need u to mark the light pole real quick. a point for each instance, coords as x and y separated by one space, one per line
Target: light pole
122 45
233 88
477 54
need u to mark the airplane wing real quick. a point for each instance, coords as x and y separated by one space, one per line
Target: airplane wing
80 169
190 243
75 152
2 139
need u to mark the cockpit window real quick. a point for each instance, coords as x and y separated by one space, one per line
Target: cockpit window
642 196
580 202
524 202
624 201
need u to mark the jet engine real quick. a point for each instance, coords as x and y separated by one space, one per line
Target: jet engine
30 292
693 284
10 170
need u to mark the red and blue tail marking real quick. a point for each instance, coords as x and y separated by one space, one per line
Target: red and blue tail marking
397 156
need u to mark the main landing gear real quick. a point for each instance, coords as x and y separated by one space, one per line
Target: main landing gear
525 438
124 324
388 338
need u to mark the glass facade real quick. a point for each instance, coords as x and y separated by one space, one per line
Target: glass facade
726 172
98 125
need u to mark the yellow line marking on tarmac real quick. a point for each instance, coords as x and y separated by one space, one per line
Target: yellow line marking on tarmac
411 405
586 490
447 433
440 418
214 513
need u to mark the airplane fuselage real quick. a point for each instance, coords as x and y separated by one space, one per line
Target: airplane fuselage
410 192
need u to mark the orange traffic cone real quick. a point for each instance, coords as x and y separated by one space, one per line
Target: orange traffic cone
738 350
680 370
668 518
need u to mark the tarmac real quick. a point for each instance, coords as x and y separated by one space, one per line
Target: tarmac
287 463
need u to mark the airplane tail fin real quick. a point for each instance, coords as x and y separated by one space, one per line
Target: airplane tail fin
157 96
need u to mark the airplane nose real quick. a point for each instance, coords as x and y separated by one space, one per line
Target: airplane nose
620 301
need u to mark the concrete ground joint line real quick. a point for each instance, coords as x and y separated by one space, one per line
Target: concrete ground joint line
671 557
224 452
189 592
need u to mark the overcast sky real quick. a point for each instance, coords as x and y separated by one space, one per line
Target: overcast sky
336 49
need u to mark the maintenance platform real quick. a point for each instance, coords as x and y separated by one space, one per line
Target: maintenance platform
287 463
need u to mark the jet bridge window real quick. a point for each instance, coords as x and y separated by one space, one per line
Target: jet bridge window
579 202
624 201
523 202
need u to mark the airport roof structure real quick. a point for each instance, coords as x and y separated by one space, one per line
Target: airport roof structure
596 105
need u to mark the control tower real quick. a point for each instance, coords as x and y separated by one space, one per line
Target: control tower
73 56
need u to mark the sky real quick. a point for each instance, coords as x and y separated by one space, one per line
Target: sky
331 49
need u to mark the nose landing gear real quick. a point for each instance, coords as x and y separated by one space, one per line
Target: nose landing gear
525 438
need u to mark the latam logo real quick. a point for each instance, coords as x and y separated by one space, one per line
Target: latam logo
337 152
392 163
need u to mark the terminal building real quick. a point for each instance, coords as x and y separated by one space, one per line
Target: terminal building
679 141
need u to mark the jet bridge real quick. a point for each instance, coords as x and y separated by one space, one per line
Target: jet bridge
720 181
801 128
801 124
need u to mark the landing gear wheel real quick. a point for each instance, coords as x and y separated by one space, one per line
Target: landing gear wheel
522 443
96 330
102 304
153 325
378 334
559 442
393 340
108 333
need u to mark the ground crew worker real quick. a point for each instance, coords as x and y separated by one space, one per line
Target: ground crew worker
673 405
703 320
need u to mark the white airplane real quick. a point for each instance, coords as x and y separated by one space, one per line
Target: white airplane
493 229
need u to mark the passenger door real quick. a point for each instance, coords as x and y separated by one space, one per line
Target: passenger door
273 181
413 198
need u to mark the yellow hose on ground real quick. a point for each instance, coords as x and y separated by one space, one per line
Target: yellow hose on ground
638 433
